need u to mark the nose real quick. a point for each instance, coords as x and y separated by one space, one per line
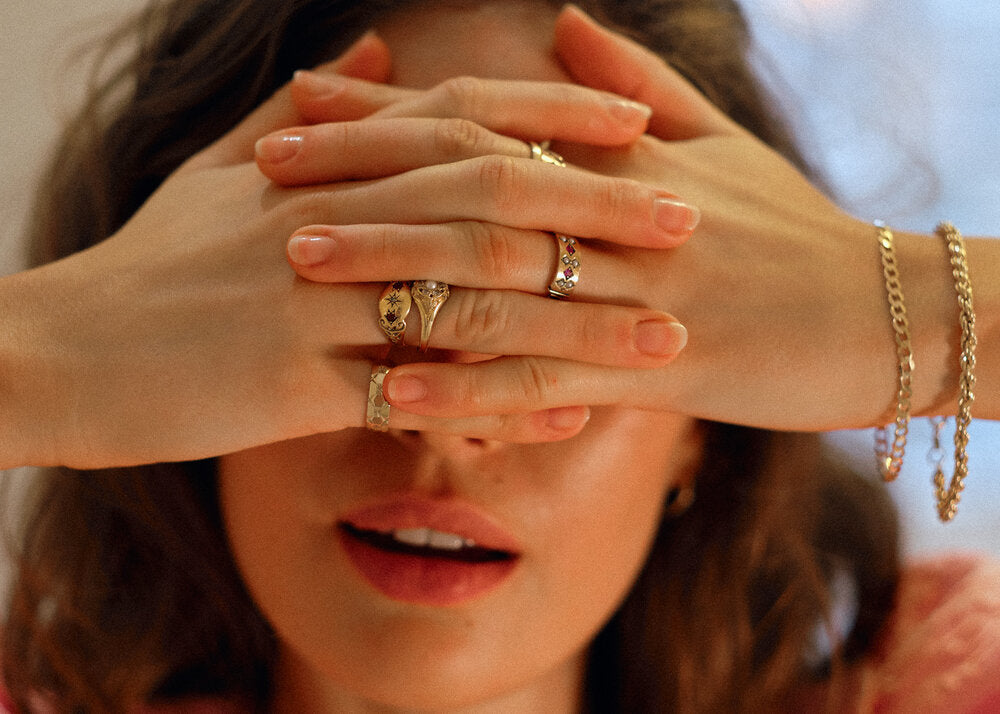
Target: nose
450 447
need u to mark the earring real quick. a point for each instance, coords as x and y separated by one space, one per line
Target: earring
678 500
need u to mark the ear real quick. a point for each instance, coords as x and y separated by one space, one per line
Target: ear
597 57
689 455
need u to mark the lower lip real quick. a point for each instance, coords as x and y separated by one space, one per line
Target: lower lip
424 580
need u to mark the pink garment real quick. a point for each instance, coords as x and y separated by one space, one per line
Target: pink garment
942 650
940 654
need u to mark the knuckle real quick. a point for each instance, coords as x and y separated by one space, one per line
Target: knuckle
617 198
463 95
383 246
458 137
534 381
304 206
593 332
340 136
482 316
499 179
495 252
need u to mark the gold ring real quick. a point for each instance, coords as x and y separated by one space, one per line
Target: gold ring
393 307
568 267
378 407
429 296
542 152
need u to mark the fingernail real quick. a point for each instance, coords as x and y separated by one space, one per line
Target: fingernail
276 148
311 250
629 112
564 418
675 216
320 84
659 337
405 389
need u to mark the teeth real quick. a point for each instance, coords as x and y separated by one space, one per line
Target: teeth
427 538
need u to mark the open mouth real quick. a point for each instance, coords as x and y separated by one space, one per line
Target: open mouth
427 543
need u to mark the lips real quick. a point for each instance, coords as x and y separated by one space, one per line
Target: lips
428 552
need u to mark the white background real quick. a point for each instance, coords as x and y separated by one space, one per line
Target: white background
897 102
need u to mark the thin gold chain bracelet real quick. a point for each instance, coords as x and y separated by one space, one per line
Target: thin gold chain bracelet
889 454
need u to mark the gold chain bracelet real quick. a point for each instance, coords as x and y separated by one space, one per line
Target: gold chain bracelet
947 500
890 455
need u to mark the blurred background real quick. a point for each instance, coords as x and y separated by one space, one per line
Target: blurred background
896 103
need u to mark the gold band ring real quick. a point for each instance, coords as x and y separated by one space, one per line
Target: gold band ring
542 152
567 269
378 407
429 296
393 307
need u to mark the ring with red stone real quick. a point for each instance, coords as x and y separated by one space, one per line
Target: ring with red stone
393 307
568 267
428 296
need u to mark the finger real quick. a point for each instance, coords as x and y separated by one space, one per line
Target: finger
326 153
326 97
347 383
512 385
502 322
600 58
466 253
542 426
528 110
520 193
368 57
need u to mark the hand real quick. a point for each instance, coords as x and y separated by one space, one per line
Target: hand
774 286
185 335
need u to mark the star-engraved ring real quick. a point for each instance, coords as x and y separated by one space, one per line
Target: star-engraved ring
567 269
393 307
378 408
428 296
542 152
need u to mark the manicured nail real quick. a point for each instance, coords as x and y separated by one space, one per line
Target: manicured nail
563 418
320 84
405 389
675 216
311 250
629 112
659 337
276 148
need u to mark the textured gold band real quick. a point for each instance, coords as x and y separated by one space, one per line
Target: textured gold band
568 263
890 455
378 407
947 500
567 268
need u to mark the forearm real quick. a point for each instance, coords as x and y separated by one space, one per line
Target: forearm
23 416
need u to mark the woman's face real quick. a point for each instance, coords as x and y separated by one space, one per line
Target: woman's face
561 529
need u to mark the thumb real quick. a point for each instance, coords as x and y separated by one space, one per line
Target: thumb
597 57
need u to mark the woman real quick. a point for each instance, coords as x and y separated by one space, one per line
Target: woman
262 576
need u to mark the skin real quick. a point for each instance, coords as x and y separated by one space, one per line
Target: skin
584 509
794 333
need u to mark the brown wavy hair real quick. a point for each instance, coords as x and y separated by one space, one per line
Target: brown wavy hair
125 589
